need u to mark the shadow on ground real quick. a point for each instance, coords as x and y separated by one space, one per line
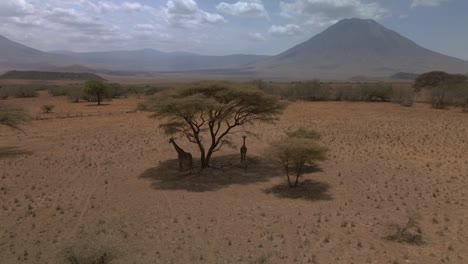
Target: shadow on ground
225 171
306 190
11 152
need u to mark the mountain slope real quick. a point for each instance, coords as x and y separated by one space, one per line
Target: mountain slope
17 56
357 47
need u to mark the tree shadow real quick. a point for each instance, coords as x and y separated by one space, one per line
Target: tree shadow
11 152
96 105
225 171
306 190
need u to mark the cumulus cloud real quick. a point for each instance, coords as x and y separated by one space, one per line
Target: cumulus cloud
243 8
15 8
325 12
285 30
255 36
416 3
187 14
149 31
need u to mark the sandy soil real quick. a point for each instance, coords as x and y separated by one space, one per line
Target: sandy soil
105 178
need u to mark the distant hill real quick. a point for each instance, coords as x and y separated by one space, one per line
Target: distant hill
405 76
354 47
37 75
154 60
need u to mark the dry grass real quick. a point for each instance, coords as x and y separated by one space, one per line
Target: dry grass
107 173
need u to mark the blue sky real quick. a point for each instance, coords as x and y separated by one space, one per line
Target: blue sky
222 27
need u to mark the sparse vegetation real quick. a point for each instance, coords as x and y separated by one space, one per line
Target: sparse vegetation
46 109
437 78
25 92
296 151
3 93
403 96
12 117
408 233
215 107
38 75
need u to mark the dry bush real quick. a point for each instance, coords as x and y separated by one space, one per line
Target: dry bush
3 93
12 117
403 96
47 108
88 251
408 233
58 90
25 92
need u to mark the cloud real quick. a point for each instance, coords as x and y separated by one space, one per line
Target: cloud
325 12
187 14
255 36
150 31
15 8
416 3
285 31
243 8
105 6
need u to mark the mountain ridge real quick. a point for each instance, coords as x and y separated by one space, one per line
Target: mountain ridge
351 47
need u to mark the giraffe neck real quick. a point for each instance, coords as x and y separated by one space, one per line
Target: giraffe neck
244 143
177 148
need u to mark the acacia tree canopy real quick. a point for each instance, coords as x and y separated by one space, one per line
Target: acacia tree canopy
437 78
97 89
206 113
297 150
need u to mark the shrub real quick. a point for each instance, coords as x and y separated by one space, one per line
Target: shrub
117 91
12 117
403 96
304 133
295 152
25 92
449 95
371 92
58 91
3 93
47 108
311 90
408 233
75 94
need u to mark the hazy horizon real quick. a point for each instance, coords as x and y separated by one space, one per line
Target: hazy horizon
221 27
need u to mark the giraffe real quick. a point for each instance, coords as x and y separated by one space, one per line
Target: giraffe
243 151
185 158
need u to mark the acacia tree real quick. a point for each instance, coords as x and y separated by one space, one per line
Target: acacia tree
12 117
438 78
97 89
206 113
296 151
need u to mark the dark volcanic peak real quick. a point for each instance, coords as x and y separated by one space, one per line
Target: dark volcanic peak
357 47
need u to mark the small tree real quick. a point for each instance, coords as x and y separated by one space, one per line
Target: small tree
295 152
206 113
97 89
12 117
46 109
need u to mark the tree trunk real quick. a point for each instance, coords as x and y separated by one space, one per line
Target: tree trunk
98 99
208 158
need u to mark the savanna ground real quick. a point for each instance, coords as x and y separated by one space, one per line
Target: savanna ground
87 180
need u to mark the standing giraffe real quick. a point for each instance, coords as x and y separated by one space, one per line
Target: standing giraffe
185 158
243 151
